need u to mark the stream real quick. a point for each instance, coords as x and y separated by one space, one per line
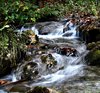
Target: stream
71 74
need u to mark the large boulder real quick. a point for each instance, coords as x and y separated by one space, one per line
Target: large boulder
39 89
90 32
49 61
93 57
68 51
45 28
29 37
28 71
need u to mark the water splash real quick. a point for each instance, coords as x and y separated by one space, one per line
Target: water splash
68 68
58 33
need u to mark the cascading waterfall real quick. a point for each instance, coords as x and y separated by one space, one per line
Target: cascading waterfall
68 67
72 66
72 69
57 33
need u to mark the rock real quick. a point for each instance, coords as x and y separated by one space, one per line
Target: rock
49 61
39 89
30 70
19 88
9 60
45 28
93 58
4 82
90 32
67 51
27 71
90 46
29 37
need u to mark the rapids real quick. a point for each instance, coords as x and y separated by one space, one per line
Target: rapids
69 68
72 66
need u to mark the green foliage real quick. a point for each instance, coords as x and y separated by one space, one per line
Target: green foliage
17 12
10 43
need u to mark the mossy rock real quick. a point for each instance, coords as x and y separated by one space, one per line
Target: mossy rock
93 58
91 45
30 37
43 58
39 89
30 71
48 59
28 58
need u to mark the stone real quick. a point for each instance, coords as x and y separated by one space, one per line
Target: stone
4 82
66 51
93 58
19 88
39 89
30 37
49 61
30 71
45 28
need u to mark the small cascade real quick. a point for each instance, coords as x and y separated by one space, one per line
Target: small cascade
57 32
68 68
71 33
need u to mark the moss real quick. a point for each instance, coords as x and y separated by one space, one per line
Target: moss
93 58
96 55
91 45
43 58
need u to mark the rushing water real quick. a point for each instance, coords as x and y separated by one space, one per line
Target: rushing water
72 66
68 68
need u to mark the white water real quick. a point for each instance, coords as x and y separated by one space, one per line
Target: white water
57 33
72 67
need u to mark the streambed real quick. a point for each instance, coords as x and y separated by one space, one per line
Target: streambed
71 74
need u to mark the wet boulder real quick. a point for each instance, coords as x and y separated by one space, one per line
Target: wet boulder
39 89
45 28
93 57
19 88
29 37
28 71
90 32
90 46
49 61
66 51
